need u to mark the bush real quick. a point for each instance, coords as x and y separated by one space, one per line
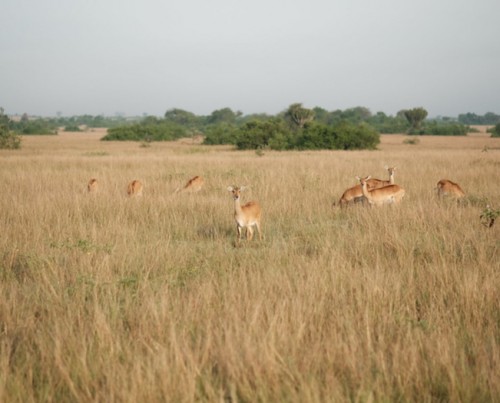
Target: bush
434 128
36 126
148 130
256 134
446 129
72 128
412 141
495 131
343 136
8 139
274 134
222 133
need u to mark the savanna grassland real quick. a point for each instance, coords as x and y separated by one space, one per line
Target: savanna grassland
113 299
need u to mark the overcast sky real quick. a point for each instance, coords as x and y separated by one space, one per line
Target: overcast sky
148 56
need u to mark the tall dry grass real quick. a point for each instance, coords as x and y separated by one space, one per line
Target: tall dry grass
106 298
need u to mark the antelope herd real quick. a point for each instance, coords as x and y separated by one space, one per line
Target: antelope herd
370 191
378 192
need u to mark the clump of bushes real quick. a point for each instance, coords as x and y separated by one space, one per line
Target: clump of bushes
495 131
412 141
72 128
8 139
148 130
444 129
276 134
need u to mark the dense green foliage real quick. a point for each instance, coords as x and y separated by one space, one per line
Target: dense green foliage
495 131
150 129
93 121
33 126
8 139
276 135
445 128
256 134
415 117
440 128
72 128
223 133
489 118
296 127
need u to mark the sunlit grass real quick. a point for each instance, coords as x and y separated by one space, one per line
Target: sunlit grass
110 298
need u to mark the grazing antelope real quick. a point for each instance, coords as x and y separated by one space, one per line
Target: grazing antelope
355 194
134 188
390 194
92 186
446 187
246 216
193 185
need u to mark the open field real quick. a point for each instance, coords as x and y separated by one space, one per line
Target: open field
114 299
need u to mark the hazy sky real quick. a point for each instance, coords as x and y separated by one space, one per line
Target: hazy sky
147 56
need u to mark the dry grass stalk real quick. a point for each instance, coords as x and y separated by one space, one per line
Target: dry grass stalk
106 300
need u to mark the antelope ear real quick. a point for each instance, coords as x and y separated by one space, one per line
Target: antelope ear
358 178
243 187
368 177
230 188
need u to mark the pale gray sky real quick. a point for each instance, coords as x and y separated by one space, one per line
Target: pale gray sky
147 56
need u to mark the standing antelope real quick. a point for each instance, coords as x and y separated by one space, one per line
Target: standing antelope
92 186
134 188
246 216
390 194
446 187
355 194
194 185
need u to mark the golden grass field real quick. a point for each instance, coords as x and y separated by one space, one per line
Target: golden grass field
107 298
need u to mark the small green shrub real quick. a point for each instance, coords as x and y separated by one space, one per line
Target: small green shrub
72 128
412 141
488 216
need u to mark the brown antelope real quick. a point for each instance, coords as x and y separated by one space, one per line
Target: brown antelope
355 194
390 194
134 188
446 187
193 185
93 185
246 216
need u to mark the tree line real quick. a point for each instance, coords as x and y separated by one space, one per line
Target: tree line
296 127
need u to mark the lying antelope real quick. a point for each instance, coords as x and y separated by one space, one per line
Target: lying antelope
194 185
446 187
355 194
390 194
134 188
92 186
246 216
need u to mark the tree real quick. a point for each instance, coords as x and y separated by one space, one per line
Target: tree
8 139
356 115
181 117
415 117
224 115
298 116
